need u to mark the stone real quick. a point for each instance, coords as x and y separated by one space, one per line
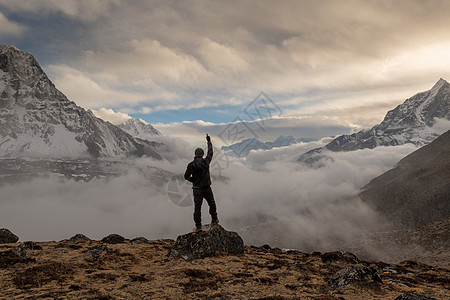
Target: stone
266 247
213 239
13 256
7 236
413 297
96 251
29 245
340 256
113 239
140 240
79 238
358 273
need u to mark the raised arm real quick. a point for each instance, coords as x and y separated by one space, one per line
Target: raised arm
209 155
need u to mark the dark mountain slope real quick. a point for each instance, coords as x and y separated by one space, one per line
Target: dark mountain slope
417 191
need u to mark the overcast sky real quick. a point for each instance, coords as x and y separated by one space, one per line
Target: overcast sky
341 63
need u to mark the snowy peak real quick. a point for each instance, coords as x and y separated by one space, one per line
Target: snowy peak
36 119
139 129
421 109
441 82
409 122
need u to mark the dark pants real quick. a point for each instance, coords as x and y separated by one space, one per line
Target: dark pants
199 194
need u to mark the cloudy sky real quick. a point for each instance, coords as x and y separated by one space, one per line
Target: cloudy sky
336 64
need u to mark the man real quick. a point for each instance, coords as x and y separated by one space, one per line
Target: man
197 172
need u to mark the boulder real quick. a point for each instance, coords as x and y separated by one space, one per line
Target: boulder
413 297
30 245
340 256
358 273
7 236
113 239
97 250
13 256
206 243
140 240
79 238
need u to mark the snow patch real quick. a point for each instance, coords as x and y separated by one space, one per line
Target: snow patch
61 143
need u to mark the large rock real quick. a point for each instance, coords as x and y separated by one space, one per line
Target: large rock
340 256
140 240
13 256
7 236
30 245
113 239
79 238
213 239
358 274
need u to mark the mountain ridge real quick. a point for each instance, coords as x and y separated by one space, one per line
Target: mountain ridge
139 129
409 122
39 120
243 148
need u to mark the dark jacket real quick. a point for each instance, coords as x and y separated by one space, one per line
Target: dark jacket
197 170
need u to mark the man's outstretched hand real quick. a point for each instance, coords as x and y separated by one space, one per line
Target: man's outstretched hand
208 138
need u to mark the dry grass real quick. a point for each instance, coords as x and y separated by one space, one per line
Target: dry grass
71 270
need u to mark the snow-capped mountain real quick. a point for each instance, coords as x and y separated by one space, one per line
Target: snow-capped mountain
410 122
139 129
36 119
243 148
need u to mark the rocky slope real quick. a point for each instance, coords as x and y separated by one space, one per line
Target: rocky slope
417 191
115 268
410 122
139 129
37 120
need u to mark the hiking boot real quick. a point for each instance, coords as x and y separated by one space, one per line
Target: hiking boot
197 229
215 222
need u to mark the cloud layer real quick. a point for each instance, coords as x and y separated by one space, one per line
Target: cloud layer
312 207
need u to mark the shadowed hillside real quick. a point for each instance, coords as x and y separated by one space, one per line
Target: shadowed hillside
417 191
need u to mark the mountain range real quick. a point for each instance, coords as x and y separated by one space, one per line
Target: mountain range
410 122
243 148
37 120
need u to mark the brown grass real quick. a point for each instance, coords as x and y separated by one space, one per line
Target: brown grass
68 270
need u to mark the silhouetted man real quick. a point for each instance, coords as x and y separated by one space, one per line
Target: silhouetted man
197 172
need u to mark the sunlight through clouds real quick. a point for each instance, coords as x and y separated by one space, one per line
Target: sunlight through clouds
149 56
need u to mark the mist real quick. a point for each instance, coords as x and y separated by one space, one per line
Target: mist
268 198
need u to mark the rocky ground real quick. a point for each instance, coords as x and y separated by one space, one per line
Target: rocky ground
115 268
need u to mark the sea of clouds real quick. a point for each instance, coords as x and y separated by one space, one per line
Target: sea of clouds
269 198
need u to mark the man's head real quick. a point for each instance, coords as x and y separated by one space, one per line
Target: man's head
199 152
